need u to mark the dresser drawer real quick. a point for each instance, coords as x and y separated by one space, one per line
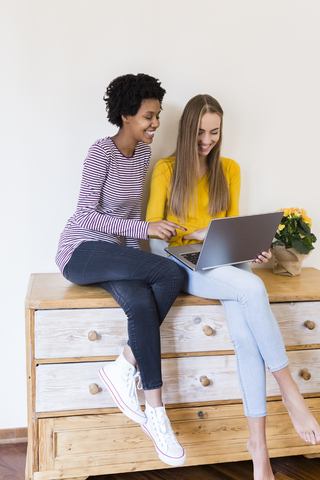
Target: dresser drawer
111 443
66 333
182 377
95 442
299 361
67 386
299 322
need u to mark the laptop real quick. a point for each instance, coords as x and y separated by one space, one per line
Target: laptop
230 240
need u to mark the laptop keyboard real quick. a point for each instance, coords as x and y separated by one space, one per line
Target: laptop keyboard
191 257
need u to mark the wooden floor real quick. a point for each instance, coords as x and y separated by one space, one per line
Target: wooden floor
13 457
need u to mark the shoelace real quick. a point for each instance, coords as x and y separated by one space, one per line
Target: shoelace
165 428
134 383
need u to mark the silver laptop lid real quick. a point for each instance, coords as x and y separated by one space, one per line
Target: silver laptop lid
232 240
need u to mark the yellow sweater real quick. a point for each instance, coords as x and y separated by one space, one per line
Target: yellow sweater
159 194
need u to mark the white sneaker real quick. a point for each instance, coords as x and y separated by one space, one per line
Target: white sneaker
159 430
120 377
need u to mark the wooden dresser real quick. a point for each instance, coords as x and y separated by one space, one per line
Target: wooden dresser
74 429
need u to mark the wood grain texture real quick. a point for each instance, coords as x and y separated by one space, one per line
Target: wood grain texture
292 317
32 459
67 386
280 476
46 445
65 333
52 290
13 435
95 440
13 456
301 288
13 461
96 444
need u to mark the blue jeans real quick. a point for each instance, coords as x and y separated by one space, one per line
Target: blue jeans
253 329
144 285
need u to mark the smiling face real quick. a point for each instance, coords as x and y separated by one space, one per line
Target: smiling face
144 123
209 133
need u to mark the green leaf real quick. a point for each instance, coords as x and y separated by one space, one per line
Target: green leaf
300 246
304 231
303 228
296 234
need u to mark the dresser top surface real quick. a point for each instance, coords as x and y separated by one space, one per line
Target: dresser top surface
53 291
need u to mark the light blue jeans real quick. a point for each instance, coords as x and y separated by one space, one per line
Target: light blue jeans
253 329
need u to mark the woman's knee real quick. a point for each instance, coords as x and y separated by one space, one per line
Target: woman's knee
134 297
173 272
178 272
255 288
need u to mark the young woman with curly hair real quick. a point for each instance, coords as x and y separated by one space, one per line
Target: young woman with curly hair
90 252
190 188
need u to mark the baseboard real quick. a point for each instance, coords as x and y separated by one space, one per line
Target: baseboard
14 435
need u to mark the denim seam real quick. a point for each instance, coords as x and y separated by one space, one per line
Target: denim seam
156 271
135 342
256 415
247 316
276 369
244 398
154 261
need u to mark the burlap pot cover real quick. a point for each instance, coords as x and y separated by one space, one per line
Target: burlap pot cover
287 260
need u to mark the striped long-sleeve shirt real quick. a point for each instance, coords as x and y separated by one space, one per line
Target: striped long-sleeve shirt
109 204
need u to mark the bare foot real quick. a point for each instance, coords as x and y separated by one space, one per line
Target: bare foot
303 421
261 462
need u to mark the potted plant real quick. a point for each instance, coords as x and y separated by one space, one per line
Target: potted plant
293 241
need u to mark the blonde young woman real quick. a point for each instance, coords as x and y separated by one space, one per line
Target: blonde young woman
190 189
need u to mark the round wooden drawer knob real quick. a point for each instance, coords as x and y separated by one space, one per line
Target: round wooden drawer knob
93 389
305 374
309 324
207 330
92 335
204 381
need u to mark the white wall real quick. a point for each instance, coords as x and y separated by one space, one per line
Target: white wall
259 59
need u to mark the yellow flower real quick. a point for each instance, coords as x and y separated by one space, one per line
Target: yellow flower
286 211
296 228
296 212
307 220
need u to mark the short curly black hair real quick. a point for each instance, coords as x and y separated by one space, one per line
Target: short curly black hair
125 94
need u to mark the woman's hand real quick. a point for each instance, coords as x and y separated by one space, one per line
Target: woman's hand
264 257
199 235
164 229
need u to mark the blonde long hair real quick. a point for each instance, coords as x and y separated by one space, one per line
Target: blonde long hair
185 171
